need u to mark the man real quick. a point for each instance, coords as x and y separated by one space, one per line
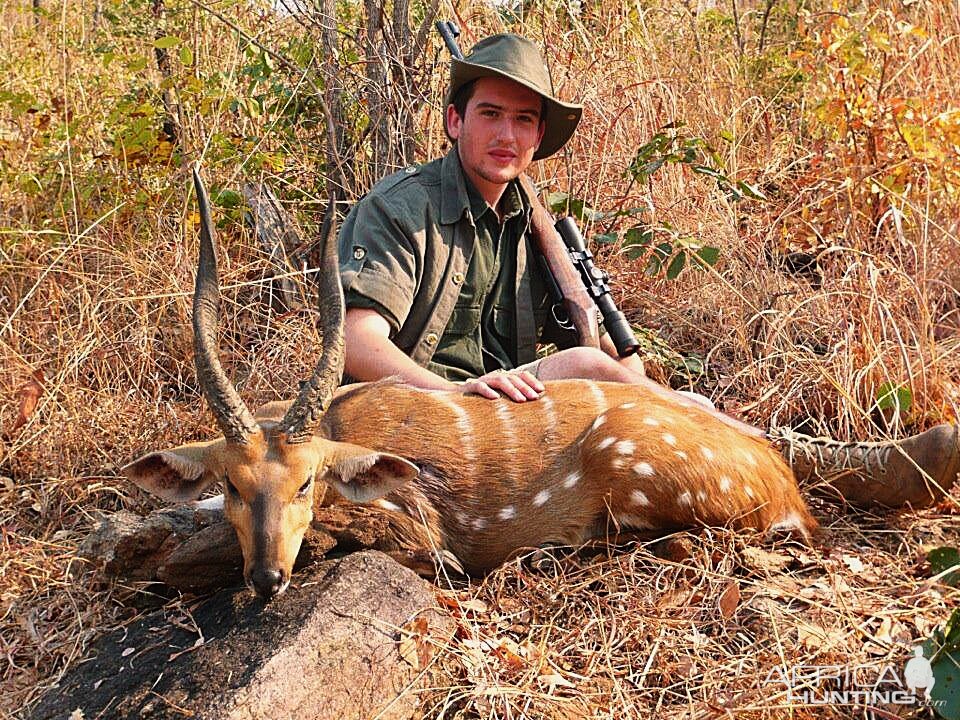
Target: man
441 289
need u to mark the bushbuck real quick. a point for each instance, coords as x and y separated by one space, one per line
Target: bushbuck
460 476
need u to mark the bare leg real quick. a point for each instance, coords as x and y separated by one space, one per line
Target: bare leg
591 364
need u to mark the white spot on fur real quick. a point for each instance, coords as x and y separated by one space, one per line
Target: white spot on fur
644 469
701 496
504 410
638 497
599 398
725 483
681 454
387 505
551 422
541 498
462 519
626 447
669 439
748 491
507 513
685 498
749 457
707 452
598 422
479 523
572 479
605 443
652 422
463 424
618 463
628 406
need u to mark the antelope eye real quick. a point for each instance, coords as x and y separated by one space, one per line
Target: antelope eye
305 488
231 490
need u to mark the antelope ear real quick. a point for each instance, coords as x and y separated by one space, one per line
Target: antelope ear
178 474
362 475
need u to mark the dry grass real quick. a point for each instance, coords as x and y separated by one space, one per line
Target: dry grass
96 259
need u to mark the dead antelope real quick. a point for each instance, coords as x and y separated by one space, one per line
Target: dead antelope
462 476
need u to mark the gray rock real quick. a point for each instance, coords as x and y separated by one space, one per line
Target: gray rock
327 648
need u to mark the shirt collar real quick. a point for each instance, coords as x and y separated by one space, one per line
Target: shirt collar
454 198
457 194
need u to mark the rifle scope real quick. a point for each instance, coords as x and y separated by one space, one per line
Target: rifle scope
596 281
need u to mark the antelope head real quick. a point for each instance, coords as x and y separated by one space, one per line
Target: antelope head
270 469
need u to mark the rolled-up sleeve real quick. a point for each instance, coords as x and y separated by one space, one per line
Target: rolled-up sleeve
378 261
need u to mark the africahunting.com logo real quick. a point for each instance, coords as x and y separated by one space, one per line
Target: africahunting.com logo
857 685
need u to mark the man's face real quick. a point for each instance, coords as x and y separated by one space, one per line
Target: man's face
499 133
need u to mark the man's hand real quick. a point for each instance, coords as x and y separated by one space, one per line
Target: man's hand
518 386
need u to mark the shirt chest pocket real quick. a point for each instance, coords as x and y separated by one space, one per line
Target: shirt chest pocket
464 320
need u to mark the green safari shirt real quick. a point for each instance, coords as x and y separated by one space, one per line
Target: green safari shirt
455 284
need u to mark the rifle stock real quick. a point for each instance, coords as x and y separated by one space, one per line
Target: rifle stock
580 307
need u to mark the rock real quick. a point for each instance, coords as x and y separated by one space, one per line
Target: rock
327 648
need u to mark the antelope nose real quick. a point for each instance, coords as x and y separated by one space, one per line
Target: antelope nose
267 583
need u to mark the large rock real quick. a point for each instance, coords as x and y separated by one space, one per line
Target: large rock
327 648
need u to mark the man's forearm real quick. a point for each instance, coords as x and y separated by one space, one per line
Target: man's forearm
631 361
371 356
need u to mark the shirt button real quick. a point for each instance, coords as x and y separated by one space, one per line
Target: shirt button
410 169
358 253
431 339
458 278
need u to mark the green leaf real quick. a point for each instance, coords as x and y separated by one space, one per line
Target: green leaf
894 397
708 255
638 236
676 267
186 55
709 172
136 63
227 199
945 694
751 191
167 41
942 559
605 238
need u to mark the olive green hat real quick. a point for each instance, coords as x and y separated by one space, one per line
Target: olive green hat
518 59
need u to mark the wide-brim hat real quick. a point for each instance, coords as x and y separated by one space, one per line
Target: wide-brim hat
518 59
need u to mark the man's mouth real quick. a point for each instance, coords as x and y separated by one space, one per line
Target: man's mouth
503 156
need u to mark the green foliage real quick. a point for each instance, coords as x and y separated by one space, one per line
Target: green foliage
895 398
942 559
670 146
943 650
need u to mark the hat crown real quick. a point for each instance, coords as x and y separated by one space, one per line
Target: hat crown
513 55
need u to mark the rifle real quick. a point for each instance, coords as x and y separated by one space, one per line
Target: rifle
579 288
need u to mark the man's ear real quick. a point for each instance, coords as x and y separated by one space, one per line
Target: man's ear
453 122
178 474
362 475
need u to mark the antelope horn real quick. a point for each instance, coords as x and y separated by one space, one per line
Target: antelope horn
307 411
231 414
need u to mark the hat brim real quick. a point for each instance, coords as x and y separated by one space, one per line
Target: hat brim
560 119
